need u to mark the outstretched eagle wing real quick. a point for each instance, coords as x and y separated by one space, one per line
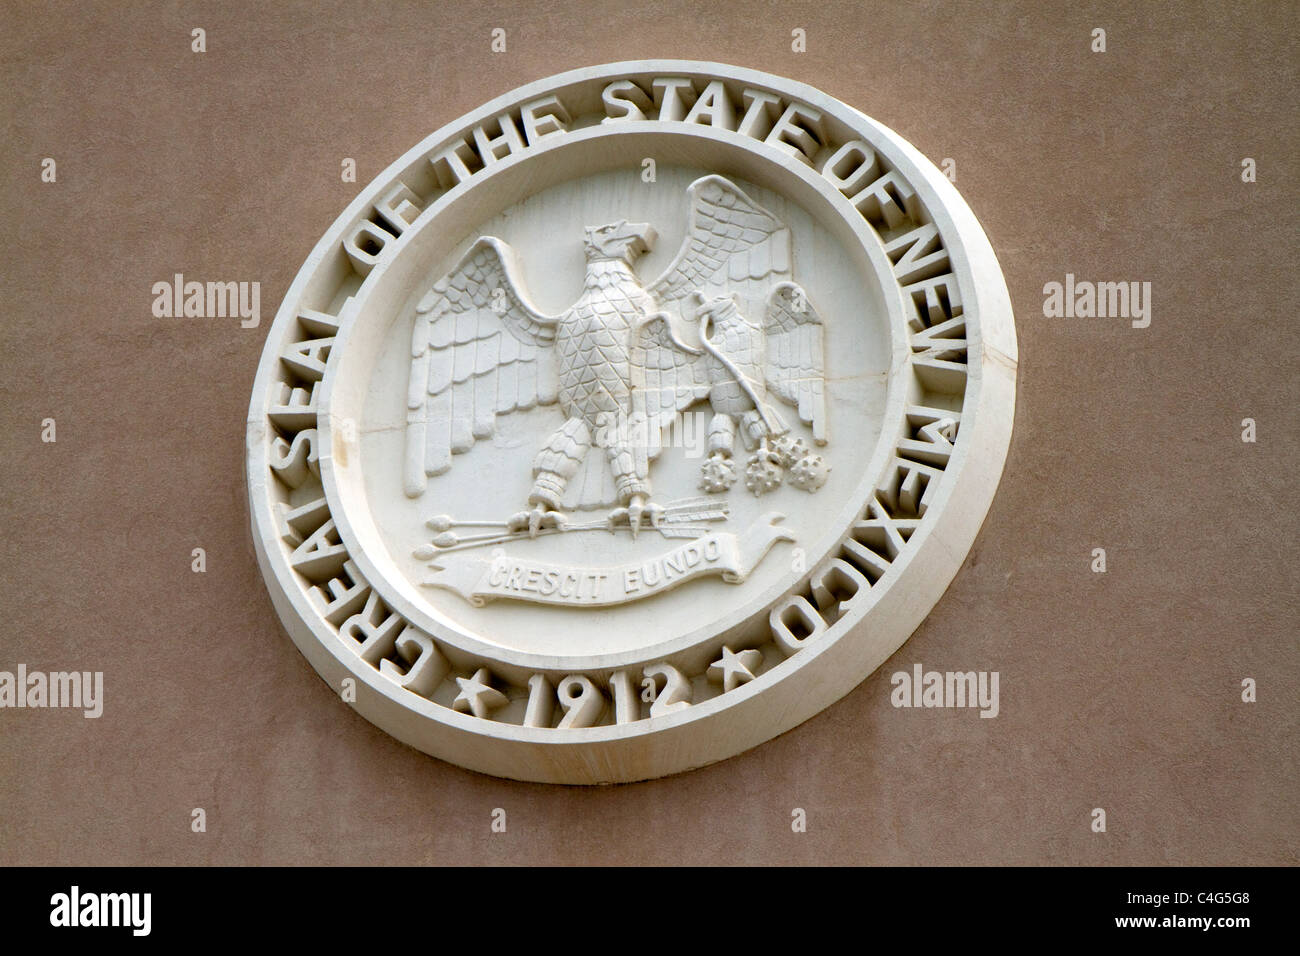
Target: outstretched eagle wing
732 245
796 355
479 349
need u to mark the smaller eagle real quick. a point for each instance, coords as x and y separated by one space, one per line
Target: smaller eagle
480 349
741 360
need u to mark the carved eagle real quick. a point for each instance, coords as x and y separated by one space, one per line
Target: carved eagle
480 348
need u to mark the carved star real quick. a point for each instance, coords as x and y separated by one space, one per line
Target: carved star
477 696
734 669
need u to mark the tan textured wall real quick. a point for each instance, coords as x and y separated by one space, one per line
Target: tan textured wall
1119 690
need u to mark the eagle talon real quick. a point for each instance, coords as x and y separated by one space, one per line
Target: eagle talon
535 520
638 508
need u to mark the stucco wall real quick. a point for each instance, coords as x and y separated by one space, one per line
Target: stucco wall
1119 690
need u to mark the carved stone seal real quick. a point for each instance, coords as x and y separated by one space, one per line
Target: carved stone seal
629 421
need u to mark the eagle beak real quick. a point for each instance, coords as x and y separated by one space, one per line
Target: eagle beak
643 237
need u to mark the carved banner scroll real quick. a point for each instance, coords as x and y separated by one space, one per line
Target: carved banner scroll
723 553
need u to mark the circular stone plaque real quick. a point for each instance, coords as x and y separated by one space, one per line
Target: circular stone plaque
629 421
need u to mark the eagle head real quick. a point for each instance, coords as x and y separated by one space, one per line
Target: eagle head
619 240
